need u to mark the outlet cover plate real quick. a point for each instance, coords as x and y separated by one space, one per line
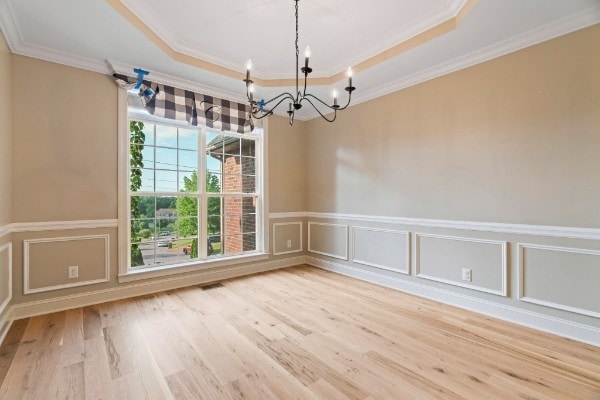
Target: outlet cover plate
466 274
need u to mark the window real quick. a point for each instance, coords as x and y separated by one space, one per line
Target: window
193 194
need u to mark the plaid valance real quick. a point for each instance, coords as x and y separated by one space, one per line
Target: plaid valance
195 108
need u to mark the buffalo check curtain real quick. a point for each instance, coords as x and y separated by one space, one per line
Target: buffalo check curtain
195 108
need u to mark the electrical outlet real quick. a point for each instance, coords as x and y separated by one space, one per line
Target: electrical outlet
466 274
73 271
289 244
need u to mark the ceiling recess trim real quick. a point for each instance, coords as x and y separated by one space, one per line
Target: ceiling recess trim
564 26
428 34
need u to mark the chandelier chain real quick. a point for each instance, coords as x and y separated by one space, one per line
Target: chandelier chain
259 110
297 51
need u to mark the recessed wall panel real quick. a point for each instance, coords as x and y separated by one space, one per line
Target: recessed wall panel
563 278
287 238
328 239
381 248
443 258
47 262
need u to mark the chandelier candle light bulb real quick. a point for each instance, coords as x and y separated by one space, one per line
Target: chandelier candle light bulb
301 96
248 68
306 56
349 77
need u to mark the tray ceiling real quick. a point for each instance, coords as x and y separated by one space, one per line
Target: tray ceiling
203 45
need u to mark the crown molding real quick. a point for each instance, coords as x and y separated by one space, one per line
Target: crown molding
542 34
9 26
517 229
12 33
449 10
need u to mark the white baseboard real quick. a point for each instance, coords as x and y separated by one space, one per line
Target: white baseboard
572 330
40 307
558 326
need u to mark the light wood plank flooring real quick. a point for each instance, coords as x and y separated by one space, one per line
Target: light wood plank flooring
297 333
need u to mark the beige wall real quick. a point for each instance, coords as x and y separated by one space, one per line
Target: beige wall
65 169
5 133
65 143
512 140
287 165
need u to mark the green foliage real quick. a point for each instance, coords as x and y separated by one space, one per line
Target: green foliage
136 161
188 207
145 233
194 249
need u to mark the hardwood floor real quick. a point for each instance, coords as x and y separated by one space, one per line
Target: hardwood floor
297 333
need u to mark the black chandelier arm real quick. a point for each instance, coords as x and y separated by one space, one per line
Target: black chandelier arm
319 111
319 100
348 102
285 95
331 107
257 116
269 112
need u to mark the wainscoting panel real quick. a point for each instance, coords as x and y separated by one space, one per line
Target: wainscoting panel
46 262
442 258
560 277
5 276
285 233
381 248
328 239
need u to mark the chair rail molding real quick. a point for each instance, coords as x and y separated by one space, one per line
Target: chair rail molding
519 229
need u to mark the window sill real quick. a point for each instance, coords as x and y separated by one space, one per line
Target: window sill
155 272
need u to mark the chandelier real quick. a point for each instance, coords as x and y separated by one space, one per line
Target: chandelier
259 109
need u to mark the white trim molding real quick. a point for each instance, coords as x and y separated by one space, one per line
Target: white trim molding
300 224
504 262
517 229
282 215
375 265
521 277
558 326
6 322
26 256
61 225
7 247
341 257
5 230
40 307
530 38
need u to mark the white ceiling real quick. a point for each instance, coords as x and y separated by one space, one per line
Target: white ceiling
340 33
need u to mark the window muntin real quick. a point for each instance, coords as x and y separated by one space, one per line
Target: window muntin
174 221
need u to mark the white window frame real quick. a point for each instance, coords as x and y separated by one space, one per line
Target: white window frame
127 273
